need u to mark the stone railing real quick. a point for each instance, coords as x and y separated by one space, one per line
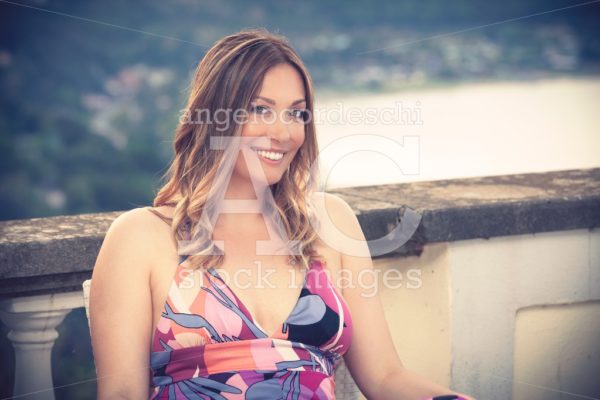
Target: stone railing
487 252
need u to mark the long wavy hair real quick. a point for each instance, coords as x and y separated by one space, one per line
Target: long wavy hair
229 76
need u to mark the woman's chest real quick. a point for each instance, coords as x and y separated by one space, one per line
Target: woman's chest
268 292
271 292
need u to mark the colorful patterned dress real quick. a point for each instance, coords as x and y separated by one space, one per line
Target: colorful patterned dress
207 345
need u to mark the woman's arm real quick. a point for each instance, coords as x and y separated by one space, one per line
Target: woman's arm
121 308
371 359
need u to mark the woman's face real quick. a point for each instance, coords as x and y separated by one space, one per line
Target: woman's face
278 113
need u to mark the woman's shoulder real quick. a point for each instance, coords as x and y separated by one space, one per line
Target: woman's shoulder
138 220
332 209
137 232
330 201
338 224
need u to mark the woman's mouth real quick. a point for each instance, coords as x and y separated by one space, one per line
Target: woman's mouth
269 156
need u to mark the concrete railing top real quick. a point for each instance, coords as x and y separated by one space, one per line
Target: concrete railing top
56 254
483 207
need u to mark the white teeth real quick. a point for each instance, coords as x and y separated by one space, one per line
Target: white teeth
271 155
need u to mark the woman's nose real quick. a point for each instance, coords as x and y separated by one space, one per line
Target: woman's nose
279 129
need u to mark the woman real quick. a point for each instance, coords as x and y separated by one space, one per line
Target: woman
165 322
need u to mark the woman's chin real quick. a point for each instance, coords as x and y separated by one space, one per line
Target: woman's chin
271 179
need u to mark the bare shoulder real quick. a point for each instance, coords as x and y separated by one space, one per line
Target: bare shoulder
338 221
330 206
132 239
339 230
134 222
143 220
134 219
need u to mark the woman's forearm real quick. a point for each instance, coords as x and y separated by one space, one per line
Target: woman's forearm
408 385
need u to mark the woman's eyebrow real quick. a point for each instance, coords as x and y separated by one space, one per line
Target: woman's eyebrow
271 101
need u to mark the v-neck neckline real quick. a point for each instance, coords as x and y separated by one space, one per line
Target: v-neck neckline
249 314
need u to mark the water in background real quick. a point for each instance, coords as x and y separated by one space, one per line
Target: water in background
460 131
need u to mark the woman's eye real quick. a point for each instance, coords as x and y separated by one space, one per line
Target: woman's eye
300 114
258 108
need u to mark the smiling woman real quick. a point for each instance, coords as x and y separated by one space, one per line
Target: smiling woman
287 135
167 325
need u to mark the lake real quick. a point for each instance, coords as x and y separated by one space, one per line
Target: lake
459 131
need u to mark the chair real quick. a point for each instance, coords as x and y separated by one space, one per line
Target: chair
345 387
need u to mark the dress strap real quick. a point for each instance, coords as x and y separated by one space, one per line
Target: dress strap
159 215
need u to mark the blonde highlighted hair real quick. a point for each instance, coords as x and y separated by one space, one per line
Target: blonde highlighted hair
228 77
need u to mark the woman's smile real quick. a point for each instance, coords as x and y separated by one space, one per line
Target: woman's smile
269 156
